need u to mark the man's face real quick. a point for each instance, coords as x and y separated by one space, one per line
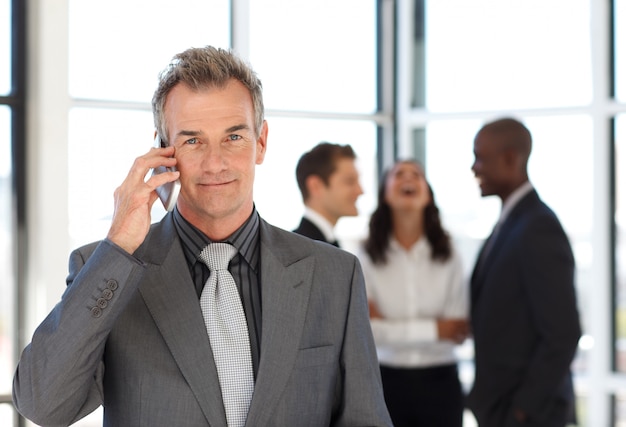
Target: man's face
343 190
217 150
490 167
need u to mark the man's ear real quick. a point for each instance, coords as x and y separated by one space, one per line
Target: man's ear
314 184
511 157
261 144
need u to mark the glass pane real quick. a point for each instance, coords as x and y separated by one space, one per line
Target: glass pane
494 54
92 420
619 26
117 47
277 197
5 46
471 218
620 243
315 55
7 274
7 415
619 407
581 410
102 147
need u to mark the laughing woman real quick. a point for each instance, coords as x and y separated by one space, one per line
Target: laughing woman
418 301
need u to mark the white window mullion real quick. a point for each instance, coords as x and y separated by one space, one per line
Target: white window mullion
599 369
47 136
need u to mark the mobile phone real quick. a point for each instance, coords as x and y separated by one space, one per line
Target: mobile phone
168 192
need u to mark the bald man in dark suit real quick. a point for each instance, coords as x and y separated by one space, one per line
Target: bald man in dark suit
523 305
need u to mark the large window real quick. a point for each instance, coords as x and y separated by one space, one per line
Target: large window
111 86
123 65
489 55
303 77
309 62
471 62
334 73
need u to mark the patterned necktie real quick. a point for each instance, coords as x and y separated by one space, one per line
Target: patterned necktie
228 333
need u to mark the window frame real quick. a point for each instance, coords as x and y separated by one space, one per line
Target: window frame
16 100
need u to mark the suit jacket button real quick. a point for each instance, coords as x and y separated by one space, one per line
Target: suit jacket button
96 312
112 284
107 294
102 303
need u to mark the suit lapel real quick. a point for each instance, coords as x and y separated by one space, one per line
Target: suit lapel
482 266
167 289
484 260
170 296
286 277
308 229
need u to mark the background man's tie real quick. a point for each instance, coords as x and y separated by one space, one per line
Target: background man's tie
489 243
228 333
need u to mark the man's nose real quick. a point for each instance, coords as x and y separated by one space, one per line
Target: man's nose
212 157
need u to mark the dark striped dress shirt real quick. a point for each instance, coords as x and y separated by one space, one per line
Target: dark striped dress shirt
244 267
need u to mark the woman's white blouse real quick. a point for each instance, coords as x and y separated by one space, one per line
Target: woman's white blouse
411 291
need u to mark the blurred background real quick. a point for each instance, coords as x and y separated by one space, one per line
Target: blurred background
392 78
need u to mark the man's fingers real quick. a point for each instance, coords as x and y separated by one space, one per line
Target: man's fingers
156 180
154 158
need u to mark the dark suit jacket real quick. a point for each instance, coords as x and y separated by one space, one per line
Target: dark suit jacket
310 230
525 321
145 355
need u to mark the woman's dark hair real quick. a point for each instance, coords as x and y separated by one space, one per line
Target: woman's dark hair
380 227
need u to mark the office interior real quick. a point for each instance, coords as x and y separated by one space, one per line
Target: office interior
392 78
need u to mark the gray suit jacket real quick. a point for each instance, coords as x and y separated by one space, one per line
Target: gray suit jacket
130 335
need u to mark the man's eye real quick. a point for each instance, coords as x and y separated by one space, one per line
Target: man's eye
191 141
234 137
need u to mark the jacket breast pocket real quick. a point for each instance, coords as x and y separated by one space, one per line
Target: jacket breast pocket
315 356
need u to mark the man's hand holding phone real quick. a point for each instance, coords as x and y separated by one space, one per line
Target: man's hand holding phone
136 195
168 192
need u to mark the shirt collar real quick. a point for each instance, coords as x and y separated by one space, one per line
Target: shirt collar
421 245
245 238
514 199
320 222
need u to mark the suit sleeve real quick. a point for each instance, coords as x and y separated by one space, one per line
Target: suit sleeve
59 375
363 402
547 269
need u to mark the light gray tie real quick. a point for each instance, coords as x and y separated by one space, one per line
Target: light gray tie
228 333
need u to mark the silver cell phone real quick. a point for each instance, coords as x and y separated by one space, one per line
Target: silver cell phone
168 192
